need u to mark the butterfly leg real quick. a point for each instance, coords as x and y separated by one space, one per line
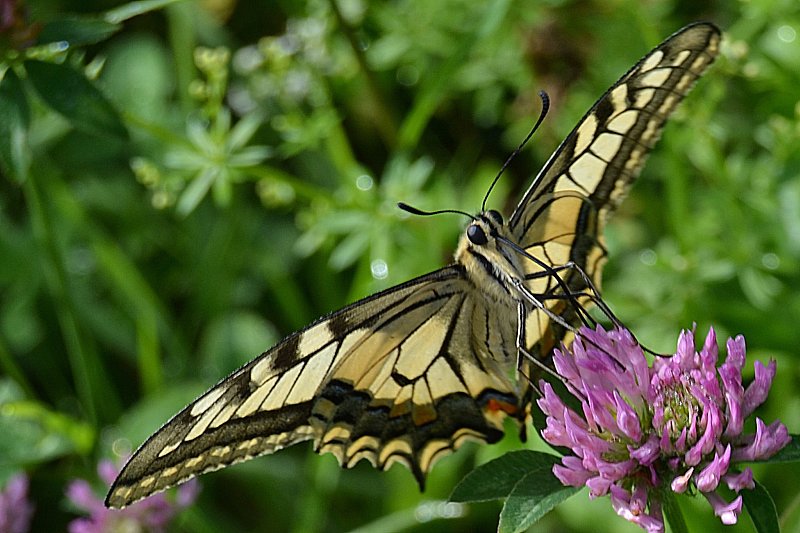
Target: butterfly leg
554 273
528 296
594 292
594 296
523 355
591 292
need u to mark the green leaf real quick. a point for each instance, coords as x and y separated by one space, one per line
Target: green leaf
498 478
133 9
10 391
349 250
672 512
31 433
533 496
197 189
788 454
14 118
69 93
761 509
78 31
526 478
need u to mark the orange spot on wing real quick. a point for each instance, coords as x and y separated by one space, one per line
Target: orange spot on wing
496 405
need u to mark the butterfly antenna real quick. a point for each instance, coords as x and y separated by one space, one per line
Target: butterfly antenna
545 107
415 211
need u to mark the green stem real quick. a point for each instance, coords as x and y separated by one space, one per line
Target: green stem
148 353
13 371
382 112
125 282
139 299
672 511
78 351
182 43
158 132
316 500
300 187
340 152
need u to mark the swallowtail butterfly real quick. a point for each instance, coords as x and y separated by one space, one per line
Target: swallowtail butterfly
409 374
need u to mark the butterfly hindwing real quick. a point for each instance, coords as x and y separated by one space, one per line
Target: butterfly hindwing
402 375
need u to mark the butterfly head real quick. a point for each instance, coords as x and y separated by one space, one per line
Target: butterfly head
488 220
486 257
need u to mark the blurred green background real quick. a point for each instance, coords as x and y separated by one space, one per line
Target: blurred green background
243 182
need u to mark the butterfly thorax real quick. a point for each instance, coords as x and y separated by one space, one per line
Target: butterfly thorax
490 263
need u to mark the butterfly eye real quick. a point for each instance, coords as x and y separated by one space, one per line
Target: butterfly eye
476 235
495 215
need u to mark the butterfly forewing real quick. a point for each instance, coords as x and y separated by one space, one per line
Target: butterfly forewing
605 152
404 375
410 373
561 217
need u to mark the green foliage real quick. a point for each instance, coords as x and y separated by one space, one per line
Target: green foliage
524 479
181 186
14 120
672 512
33 433
761 509
788 454
80 102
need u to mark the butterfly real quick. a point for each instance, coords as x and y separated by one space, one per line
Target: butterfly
409 374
